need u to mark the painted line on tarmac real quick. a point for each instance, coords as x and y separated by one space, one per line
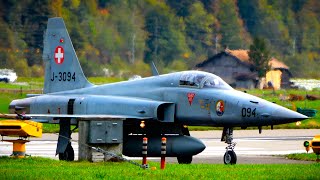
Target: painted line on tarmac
220 150
288 138
48 148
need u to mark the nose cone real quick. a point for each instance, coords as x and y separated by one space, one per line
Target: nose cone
283 115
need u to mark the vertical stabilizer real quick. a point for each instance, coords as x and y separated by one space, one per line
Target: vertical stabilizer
63 71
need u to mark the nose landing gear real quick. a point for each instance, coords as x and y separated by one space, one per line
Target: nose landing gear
230 156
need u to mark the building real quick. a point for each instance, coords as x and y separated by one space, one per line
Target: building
279 74
234 67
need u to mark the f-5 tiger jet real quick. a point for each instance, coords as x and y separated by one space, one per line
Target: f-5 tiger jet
167 104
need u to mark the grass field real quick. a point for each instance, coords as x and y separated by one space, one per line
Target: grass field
303 156
293 105
25 84
42 168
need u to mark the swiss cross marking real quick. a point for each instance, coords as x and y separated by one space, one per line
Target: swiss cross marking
59 55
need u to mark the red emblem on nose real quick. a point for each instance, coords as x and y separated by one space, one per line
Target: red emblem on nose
59 55
190 97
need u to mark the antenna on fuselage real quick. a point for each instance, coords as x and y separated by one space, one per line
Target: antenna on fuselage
154 69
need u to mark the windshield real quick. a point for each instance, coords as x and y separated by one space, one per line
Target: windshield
200 79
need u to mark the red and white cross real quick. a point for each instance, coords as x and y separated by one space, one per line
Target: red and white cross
59 55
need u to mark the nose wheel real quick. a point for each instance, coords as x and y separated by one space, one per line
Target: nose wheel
230 156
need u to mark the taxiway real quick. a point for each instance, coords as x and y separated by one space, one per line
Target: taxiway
251 148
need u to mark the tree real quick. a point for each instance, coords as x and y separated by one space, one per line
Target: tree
310 27
230 25
259 56
263 19
199 31
166 41
171 32
181 8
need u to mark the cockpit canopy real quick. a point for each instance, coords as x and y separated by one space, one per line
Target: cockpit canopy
199 79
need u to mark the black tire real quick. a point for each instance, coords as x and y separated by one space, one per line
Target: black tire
184 159
68 154
185 131
230 157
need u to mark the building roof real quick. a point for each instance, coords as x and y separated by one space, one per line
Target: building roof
276 64
236 56
243 56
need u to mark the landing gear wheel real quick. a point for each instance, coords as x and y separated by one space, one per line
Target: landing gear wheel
68 154
184 159
230 157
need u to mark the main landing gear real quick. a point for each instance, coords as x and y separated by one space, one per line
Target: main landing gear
64 148
230 156
184 159
68 154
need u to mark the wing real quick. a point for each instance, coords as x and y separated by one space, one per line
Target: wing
45 118
92 107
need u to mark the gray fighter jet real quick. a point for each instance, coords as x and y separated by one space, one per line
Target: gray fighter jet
165 104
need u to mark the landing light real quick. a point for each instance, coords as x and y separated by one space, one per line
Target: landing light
298 123
142 125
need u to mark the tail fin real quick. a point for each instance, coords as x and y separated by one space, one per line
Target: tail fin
63 71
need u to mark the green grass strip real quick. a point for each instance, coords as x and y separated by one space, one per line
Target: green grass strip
43 168
303 156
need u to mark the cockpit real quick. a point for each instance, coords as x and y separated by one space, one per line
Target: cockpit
198 79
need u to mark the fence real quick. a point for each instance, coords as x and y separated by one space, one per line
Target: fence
21 91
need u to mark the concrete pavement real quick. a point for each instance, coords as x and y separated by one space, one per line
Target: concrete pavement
251 148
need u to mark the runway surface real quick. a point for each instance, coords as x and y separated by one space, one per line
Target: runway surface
251 148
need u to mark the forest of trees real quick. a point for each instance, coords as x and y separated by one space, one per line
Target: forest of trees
125 35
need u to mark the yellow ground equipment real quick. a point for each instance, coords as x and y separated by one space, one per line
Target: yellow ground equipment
21 129
314 144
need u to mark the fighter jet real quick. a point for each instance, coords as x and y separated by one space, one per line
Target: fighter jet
165 104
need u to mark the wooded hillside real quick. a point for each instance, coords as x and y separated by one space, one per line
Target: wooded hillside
123 36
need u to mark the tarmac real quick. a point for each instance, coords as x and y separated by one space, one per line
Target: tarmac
252 147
